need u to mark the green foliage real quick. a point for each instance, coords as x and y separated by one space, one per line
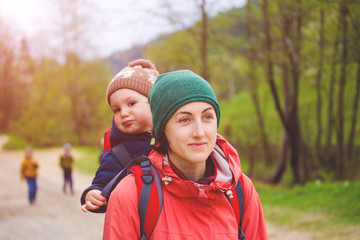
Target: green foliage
87 161
66 104
339 201
237 72
167 53
238 113
15 143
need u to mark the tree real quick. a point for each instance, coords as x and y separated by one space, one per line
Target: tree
198 12
340 110
74 42
303 53
11 85
253 88
350 143
318 86
7 87
291 43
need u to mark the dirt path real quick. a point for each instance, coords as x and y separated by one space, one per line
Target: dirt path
54 215
57 216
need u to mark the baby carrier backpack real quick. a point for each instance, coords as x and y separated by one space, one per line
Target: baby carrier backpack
149 189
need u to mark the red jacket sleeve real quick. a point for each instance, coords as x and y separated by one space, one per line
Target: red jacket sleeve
253 223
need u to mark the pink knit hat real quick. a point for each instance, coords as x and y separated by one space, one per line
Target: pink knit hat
139 76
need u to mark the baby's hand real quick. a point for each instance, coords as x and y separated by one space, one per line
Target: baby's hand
93 200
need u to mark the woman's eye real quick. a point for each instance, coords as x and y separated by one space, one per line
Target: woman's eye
184 120
208 117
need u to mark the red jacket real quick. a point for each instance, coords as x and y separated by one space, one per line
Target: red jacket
190 210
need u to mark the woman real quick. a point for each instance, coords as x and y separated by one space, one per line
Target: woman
28 171
197 167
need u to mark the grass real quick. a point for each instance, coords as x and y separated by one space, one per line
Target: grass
87 160
313 207
15 143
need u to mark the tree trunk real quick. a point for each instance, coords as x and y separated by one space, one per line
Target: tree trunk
340 113
252 159
330 120
7 88
204 41
292 45
294 111
353 160
281 167
253 89
350 143
318 89
270 64
285 119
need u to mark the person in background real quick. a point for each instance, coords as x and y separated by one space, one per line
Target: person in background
127 95
66 163
198 168
28 171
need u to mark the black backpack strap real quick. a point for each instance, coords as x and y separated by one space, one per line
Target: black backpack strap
124 158
149 177
240 196
122 155
111 185
240 202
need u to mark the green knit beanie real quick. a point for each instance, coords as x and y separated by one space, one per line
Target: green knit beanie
173 90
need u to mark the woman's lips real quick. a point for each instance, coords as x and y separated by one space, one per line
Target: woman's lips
198 145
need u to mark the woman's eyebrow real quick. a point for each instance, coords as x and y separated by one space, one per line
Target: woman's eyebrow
207 109
189 113
184 112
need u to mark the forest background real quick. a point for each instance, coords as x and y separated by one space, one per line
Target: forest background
287 77
286 73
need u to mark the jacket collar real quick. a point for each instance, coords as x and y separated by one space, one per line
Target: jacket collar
228 169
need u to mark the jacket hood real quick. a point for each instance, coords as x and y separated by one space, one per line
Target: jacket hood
228 172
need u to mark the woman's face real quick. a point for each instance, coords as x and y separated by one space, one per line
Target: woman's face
191 133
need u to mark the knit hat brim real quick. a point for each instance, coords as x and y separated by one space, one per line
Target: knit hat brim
173 90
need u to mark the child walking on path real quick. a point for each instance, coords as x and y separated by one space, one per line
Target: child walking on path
66 163
28 171
127 96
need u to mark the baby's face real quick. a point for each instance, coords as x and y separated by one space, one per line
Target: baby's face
132 113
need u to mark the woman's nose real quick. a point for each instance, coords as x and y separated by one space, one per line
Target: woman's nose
198 129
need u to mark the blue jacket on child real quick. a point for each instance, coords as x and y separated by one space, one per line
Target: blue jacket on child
135 144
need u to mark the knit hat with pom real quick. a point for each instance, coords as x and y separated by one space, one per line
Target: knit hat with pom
139 76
